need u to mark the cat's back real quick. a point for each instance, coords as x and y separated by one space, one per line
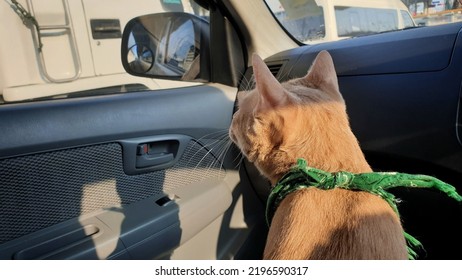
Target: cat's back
335 224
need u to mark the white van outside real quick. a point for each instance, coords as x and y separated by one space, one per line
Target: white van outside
80 52
315 21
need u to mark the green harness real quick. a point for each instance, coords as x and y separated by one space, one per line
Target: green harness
302 176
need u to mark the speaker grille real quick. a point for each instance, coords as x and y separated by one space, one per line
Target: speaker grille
41 190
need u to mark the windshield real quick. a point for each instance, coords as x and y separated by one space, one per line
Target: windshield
315 21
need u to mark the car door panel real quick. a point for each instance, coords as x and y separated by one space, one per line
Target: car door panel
71 188
39 126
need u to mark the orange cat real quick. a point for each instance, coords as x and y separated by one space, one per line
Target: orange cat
306 118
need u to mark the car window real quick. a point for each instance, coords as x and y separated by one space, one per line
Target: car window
305 24
316 21
355 21
407 19
64 49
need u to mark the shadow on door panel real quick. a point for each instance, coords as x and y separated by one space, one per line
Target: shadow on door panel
79 203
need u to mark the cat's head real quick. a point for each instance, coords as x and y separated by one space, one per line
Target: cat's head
276 123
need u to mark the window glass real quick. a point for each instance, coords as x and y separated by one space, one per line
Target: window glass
354 21
435 12
78 50
407 20
316 21
304 20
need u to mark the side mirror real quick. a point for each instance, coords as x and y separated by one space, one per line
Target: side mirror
167 45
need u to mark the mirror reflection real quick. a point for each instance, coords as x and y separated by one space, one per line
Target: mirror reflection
140 58
164 45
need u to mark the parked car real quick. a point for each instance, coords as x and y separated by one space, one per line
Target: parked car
316 21
80 47
141 173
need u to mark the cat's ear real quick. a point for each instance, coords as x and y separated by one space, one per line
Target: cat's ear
322 71
270 90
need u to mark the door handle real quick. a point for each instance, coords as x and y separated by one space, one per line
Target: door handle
148 154
148 160
156 153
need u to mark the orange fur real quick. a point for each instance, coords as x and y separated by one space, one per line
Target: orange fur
306 118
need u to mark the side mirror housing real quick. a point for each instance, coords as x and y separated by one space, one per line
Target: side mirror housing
171 46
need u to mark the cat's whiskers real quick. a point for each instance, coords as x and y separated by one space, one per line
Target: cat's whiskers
219 135
223 152
250 83
239 157
218 147
247 83
212 163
